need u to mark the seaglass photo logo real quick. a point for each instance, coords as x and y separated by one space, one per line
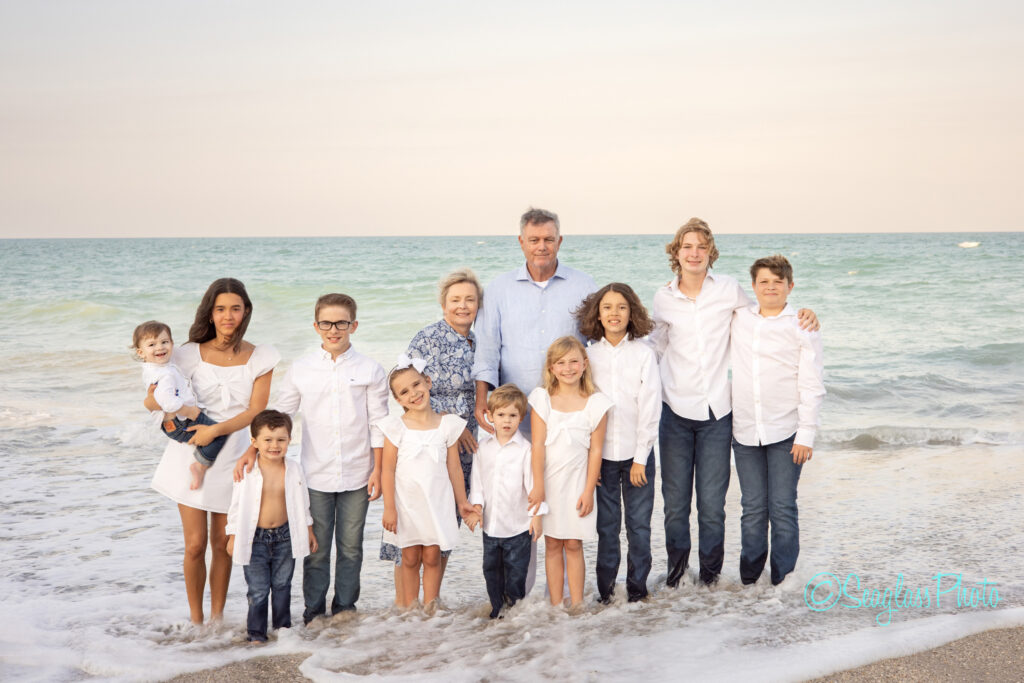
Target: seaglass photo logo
825 591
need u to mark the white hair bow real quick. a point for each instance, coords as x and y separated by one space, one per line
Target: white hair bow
416 363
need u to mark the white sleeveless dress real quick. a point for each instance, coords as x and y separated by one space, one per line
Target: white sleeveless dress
424 498
223 393
566 448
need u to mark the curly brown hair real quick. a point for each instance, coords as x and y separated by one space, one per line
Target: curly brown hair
588 315
693 225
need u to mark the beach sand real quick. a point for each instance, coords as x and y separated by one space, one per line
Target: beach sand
989 656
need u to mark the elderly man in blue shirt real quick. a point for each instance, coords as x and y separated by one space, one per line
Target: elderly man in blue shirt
524 311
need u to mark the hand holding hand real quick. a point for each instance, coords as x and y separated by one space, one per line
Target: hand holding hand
536 527
535 498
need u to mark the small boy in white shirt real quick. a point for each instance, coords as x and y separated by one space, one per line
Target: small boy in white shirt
268 514
154 347
501 481
340 393
777 390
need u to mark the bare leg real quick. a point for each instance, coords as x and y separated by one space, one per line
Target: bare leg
220 565
193 525
399 586
554 568
411 558
575 568
433 572
198 472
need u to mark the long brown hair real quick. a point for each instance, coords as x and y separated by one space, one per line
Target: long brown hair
588 315
202 329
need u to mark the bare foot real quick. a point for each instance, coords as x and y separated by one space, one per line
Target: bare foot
198 472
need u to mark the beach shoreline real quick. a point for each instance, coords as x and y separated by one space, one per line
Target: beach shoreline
993 655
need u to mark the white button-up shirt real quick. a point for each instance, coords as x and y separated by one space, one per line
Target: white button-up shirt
244 512
340 400
172 391
777 378
691 337
628 374
501 481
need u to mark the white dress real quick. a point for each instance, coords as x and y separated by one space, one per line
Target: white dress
424 498
567 448
223 392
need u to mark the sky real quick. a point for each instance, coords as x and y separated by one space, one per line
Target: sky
162 119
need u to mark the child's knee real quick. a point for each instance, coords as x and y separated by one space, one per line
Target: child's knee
573 545
195 547
552 544
431 556
411 558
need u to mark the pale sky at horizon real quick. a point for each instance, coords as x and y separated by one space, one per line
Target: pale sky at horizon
133 119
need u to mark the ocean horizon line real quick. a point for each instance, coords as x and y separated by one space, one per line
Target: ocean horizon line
508 234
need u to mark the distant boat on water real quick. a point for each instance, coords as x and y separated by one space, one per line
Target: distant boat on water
968 245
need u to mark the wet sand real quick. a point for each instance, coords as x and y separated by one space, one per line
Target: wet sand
989 656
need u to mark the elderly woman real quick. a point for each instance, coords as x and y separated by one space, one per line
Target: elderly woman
448 347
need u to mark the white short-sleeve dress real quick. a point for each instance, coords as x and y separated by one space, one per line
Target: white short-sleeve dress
567 448
223 393
424 498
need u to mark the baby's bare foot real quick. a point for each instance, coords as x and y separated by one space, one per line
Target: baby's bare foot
198 472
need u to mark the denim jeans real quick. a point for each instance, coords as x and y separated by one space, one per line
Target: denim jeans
269 573
639 503
339 516
768 479
506 561
205 455
695 454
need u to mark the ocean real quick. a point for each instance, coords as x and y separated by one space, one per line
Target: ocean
912 501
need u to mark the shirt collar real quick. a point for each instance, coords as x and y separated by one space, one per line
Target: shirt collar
326 355
673 287
787 311
517 438
560 272
447 324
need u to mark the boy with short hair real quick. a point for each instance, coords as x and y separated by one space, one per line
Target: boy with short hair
777 390
502 478
341 394
269 515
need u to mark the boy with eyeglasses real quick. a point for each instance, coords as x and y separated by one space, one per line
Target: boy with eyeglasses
340 393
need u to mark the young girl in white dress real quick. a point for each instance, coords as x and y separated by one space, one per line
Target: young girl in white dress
422 480
567 426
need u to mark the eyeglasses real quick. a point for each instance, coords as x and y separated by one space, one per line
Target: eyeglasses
340 324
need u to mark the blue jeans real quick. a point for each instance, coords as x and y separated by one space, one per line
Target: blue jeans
269 573
339 516
205 455
694 454
506 562
768 479
639 502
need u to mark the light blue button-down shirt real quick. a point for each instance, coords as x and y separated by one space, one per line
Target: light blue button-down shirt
520 319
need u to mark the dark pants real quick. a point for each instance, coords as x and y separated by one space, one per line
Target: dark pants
205 455
694 454
269 573
768 478
339 517
639 503
506 562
